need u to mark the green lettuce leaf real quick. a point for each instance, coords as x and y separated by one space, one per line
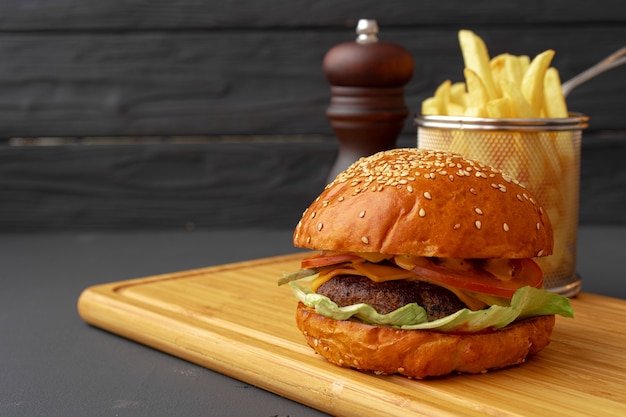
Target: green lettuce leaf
526 302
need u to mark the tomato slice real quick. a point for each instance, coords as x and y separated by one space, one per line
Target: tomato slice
327 258
500 278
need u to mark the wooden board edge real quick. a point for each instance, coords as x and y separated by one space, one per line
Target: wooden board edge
328 388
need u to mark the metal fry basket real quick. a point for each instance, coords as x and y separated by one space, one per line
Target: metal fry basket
543 154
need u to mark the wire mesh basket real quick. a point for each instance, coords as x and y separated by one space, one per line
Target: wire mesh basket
543 154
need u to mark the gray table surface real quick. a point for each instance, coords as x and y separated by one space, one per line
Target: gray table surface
54 364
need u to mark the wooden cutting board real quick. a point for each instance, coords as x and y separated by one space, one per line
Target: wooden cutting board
218 317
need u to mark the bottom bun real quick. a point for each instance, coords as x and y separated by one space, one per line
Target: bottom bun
417 353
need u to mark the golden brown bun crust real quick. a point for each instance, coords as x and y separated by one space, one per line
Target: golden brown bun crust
420 354
426 203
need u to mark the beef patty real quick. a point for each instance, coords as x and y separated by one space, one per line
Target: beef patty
387 296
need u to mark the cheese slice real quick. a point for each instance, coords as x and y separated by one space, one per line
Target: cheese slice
375 272
382 273
328 274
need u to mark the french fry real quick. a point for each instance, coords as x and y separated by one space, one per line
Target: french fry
553 100
458 93
432 106
524 63
441 102
477 94
498 71
500 108
505 86
455 109
514 68
532 83
476 58
519 105
443 94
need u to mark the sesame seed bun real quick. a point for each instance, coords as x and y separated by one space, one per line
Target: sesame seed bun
421 354
426 203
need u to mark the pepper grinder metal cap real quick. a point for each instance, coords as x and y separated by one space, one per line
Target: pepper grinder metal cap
367 31
367 110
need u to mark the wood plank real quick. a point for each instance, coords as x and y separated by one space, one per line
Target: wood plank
122 14
219 318
242 82
160 186
245 183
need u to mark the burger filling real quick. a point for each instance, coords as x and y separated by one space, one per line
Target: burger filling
388 296
413 292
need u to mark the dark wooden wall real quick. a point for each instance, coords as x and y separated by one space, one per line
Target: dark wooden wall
170 90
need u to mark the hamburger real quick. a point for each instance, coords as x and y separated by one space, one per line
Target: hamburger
423 266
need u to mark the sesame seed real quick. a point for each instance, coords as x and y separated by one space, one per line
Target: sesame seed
409 189
365 239
422 212
540 252
427 195
478 211
320 226
478 224
519 197
340 199
362 214
308 239
313 215
473 191
538 226
457 226
505 227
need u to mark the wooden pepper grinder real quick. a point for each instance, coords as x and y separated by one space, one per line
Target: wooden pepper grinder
367 110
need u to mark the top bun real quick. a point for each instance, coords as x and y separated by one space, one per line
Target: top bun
426 203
